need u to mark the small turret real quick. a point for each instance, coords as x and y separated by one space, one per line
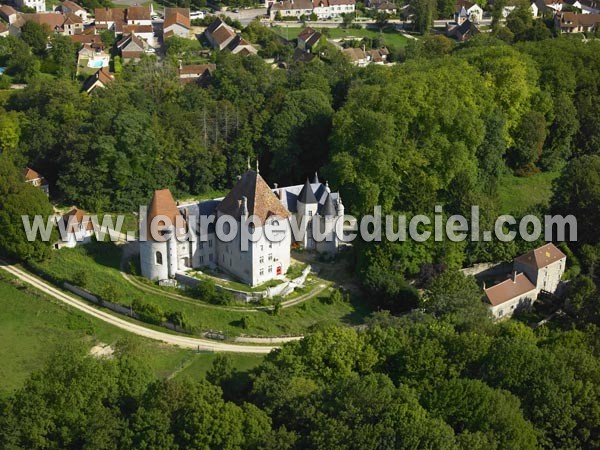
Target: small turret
340 206
328 209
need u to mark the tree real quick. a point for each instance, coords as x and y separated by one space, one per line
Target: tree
424 11
529 139
10 130
36 36
18 198
62 54
577 192
457 298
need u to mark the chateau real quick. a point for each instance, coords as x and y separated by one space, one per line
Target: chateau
311 205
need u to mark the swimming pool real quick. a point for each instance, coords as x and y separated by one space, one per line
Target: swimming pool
97 63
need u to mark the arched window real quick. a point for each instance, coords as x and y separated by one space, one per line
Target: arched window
159 258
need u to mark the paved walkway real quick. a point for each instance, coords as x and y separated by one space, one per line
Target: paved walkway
171 339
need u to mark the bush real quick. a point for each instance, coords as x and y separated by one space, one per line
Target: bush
81 278
149 313
207 290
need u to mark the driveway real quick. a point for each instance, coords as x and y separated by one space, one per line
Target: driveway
172 339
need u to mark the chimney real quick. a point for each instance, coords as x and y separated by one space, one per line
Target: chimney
245 207
180 64
484 285
514 276
275 185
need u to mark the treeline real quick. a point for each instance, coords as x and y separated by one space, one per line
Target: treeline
450 379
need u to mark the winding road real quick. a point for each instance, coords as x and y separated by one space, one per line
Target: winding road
172 339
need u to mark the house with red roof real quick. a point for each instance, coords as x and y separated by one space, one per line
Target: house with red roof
534 273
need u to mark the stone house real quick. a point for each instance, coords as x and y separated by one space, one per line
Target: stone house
534 273
177 23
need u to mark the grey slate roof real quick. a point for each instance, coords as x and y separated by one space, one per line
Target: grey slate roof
307 196
327 209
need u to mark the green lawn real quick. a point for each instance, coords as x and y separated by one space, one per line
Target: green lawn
519 194
392 38
101 262
33 326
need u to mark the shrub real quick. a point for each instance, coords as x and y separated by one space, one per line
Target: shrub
81 278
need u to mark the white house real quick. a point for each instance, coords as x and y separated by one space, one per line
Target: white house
38 5
324 9
78 227
511 6
464 10
69 7
538 271
165 252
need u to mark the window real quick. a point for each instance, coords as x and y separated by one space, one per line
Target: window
201 259
261 259
270 256
310 213
159 258
210 257
210 243
201 245
261 271
270 269
262 247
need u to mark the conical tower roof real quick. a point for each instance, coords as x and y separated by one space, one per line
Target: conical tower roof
306 195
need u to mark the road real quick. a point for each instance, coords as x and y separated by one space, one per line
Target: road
171 339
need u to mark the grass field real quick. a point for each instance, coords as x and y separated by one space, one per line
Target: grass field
101 262
33 326
519 194
392 38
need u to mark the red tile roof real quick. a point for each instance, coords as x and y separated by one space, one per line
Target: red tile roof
542 256
162 204
509 289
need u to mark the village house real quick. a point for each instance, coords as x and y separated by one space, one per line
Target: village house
132 47
100 79
534 273
38 5
36 180
464 10
512 4
386 7
569 22
78 227
308 38
162 255
177 23
241 46
67 24
8 13
324 9
69 7
553 6
463 32
357 56
586 6
116 19
219 34
379 55
199 74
